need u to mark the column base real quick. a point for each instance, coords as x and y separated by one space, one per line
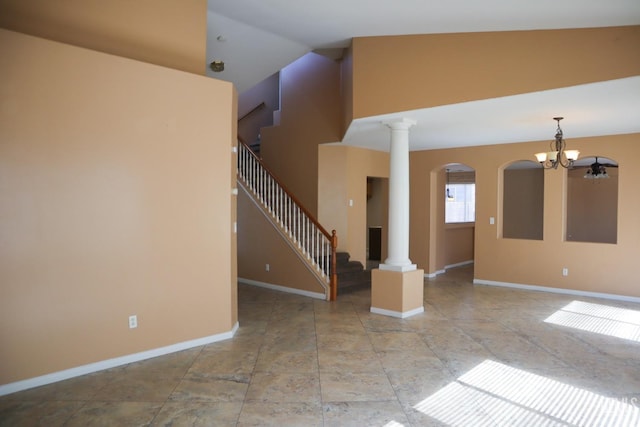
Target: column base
393 267
397 293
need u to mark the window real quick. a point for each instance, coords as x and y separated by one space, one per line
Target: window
460 203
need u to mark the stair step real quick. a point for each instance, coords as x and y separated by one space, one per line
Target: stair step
350 266
351 274
342 257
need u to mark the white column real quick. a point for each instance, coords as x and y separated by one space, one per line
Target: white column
398 240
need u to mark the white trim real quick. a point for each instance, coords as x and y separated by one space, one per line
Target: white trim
447 267
401 268
458 264
112 363
557 290
279 288
432 275
398 314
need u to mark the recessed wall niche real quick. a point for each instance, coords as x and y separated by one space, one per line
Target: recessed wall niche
592 201
523 201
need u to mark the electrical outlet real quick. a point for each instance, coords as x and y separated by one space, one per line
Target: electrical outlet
492 220
133 321
565 271
267 267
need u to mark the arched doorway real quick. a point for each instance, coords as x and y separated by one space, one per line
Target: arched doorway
452 226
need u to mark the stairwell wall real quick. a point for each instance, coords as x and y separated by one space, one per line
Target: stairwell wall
310 114
260 244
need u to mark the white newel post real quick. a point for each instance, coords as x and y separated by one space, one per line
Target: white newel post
398 240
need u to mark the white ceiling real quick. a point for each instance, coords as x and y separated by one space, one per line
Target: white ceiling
256 38
605 108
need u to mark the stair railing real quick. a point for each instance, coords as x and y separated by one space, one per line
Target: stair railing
316 245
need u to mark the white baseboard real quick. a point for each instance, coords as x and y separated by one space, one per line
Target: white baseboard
458 264
112 363
557 290
447 267
432 275
398 314
279 288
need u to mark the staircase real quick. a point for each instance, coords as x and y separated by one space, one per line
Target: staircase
352 275
313 245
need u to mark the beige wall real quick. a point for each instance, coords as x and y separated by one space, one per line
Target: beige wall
310 115
403 73
592 267
342 176
115 199
459 243
259 244
432 70
346 82
171 33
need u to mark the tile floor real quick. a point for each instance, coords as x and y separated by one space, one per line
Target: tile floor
478 356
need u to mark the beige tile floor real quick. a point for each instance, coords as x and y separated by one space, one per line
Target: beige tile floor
478 356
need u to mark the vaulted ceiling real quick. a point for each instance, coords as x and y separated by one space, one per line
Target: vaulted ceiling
256 38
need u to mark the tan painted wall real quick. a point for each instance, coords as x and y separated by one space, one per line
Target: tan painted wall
592 267
171 33
342 176
115 199
459 243
310 115
403 73
346 81
259 244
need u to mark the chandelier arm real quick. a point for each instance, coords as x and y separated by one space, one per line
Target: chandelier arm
556 154
565 164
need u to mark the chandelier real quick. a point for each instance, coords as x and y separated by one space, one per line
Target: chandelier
596 171
559 154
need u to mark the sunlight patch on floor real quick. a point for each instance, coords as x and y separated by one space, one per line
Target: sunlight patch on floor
496 394
599 319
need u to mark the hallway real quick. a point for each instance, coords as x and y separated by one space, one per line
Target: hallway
480 356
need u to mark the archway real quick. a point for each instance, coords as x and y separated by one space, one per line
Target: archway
452 225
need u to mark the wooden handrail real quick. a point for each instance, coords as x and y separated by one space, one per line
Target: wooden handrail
286 190
331 237
253 110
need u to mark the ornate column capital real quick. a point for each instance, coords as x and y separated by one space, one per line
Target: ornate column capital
403 123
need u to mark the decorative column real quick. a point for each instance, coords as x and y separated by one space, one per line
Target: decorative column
397 286
398 245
